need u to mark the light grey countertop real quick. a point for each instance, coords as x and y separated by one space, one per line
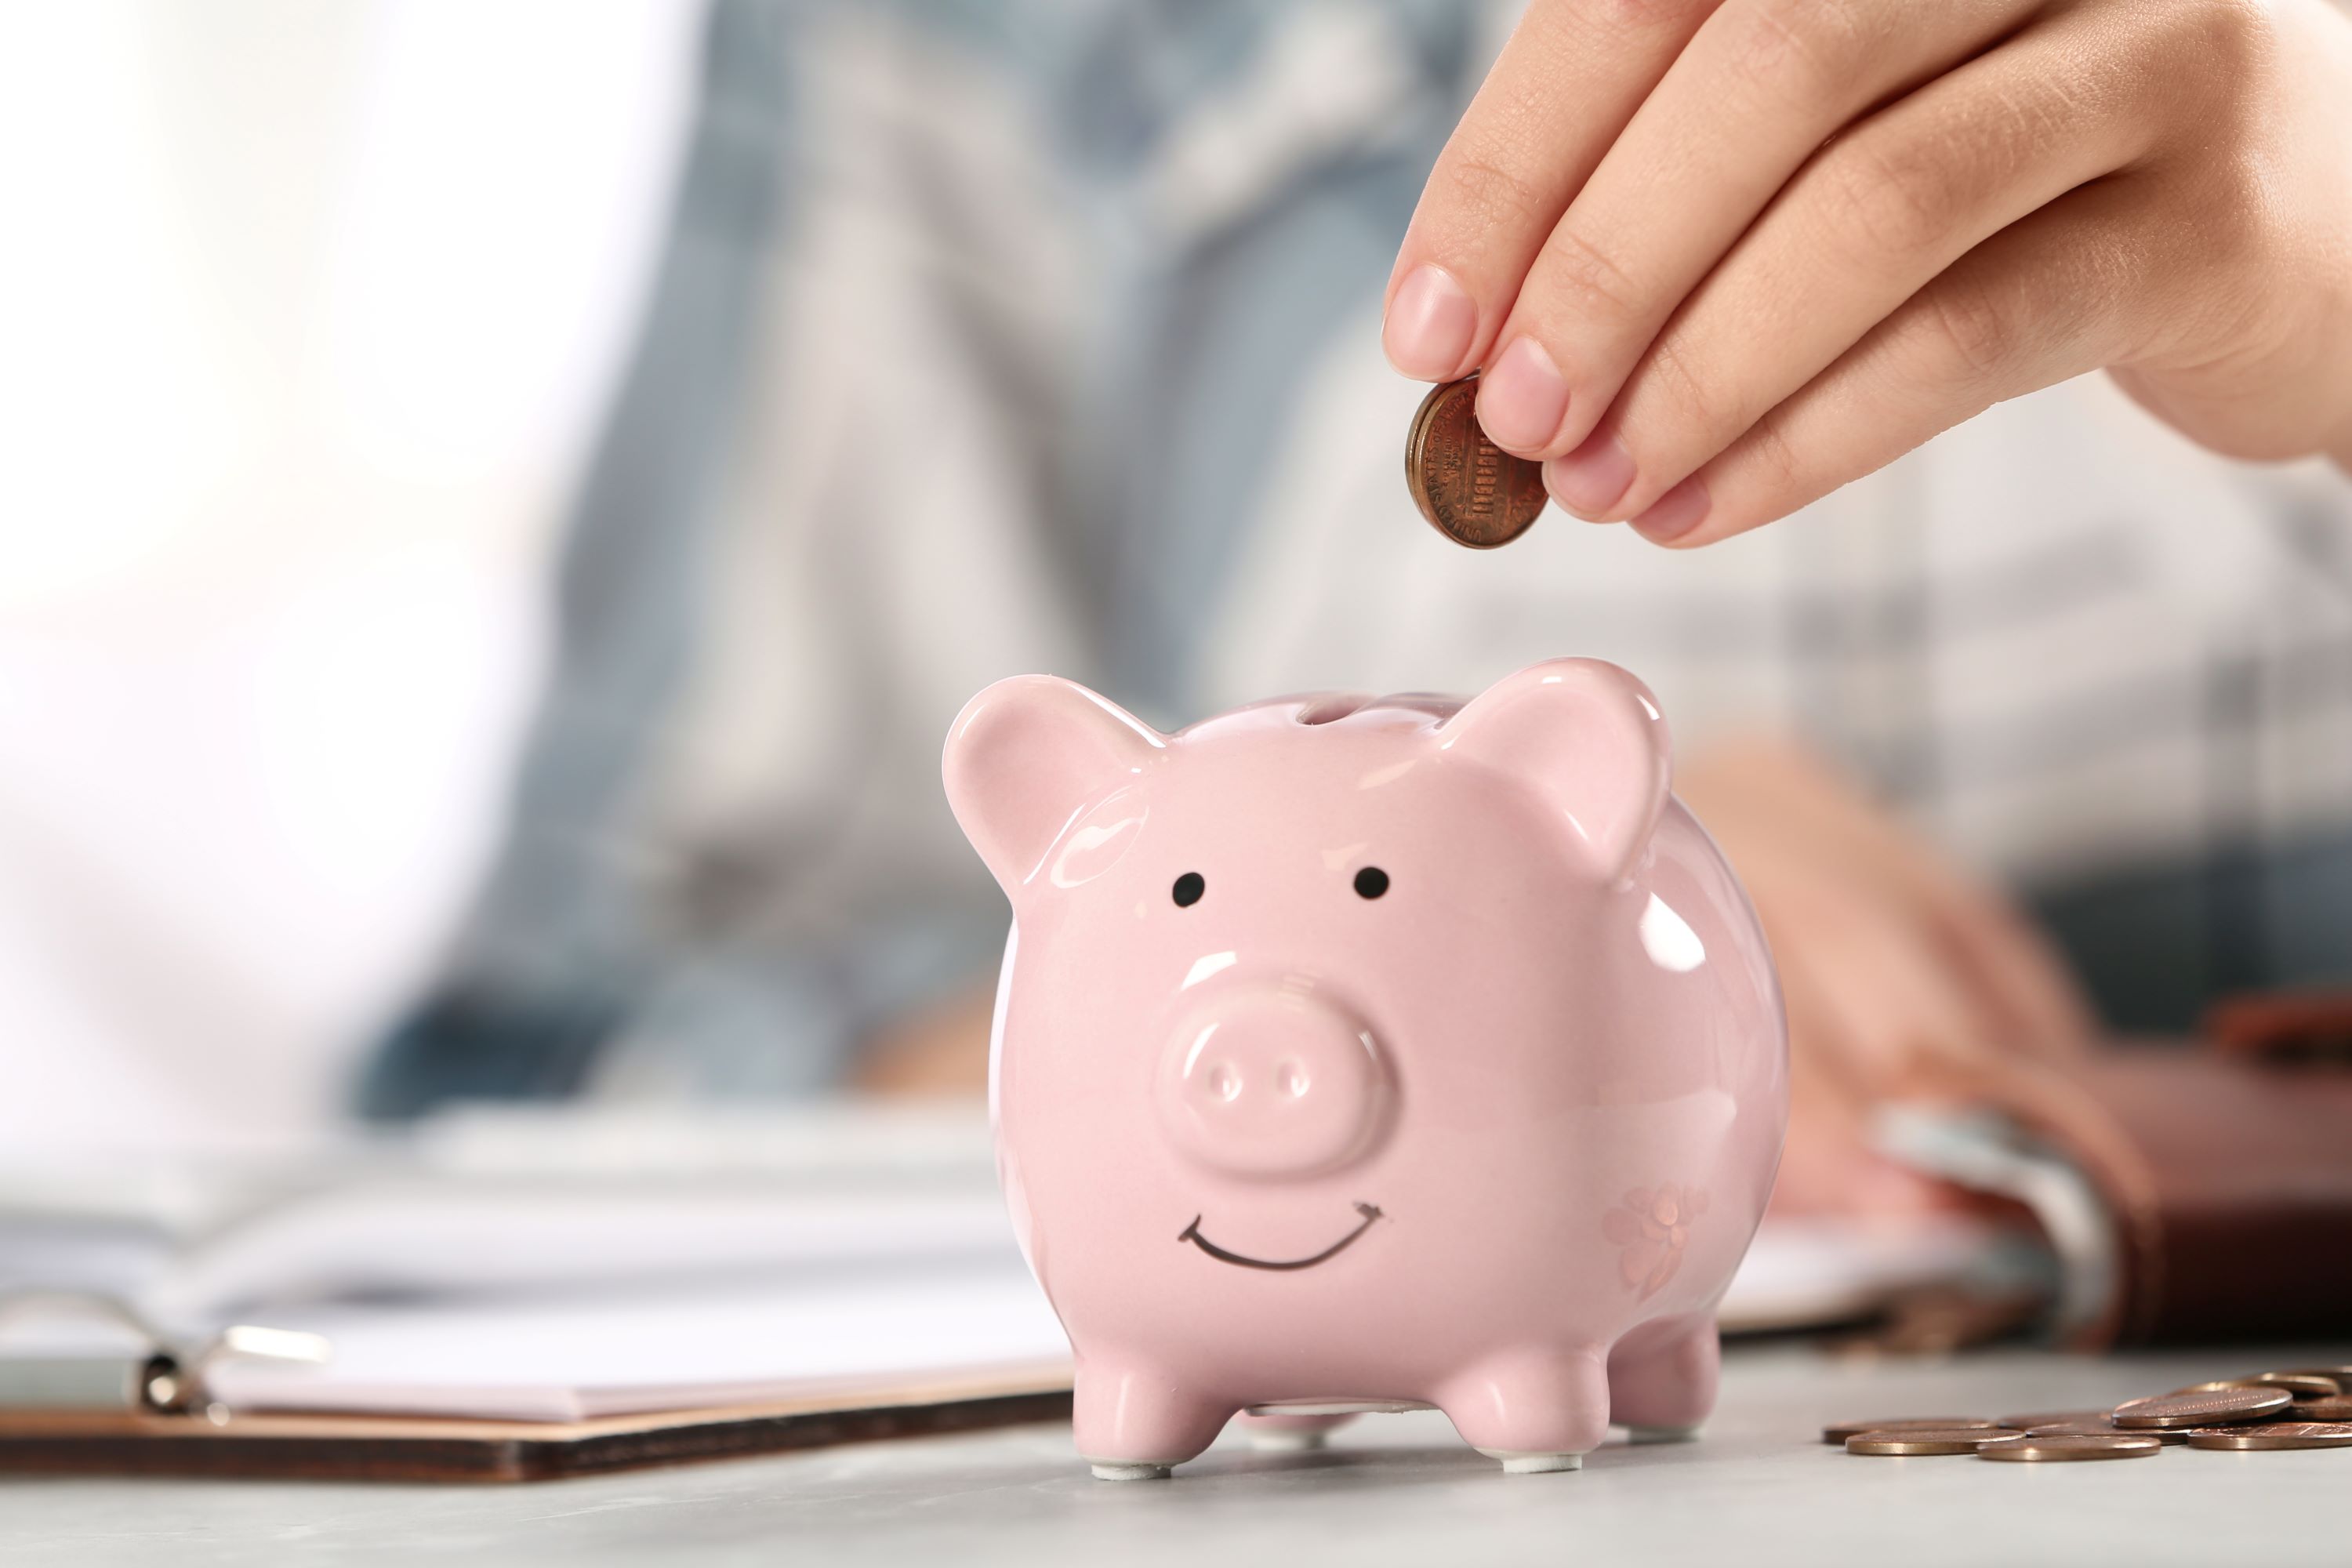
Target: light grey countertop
1758 1488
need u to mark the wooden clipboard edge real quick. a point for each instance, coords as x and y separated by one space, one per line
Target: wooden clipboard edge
329 1446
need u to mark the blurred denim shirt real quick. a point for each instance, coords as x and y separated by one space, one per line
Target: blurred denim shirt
993 336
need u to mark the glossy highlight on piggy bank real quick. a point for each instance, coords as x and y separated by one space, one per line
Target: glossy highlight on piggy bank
1366 1053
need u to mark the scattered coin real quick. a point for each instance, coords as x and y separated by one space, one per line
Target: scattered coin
1839 1431
1471 491
2337 1409
2309 1384
2274 1434
2301 1384
1930 1440
2053 1418
2212 1407
2100 1426
2045 1450
2290 1408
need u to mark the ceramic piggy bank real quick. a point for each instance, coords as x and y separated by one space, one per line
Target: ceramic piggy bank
1373 1053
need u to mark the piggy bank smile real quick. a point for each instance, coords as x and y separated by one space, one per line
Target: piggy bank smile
1191 1233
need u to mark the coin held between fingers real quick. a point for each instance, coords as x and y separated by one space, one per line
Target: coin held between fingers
1470 490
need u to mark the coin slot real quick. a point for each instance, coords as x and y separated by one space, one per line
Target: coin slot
1335 705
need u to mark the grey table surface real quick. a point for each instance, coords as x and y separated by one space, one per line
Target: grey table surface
1758 1488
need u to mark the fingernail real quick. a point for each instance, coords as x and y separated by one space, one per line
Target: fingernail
1429 324
1523 399
1674 513
1591 479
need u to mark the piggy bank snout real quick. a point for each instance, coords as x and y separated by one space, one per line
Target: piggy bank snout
1272 1085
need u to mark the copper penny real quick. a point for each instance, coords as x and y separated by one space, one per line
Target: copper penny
2100 1426
2046 1450
2212 1407
2337 1409
1930 1440
1839 1431
2053 1418
1471 491
2301 1384
2308 1383
2274 1434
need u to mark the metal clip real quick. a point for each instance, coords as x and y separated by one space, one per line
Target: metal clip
165 1375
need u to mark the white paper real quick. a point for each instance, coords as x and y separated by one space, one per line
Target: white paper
566 1359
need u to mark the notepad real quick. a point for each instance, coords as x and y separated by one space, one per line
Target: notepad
562 1267
579 1355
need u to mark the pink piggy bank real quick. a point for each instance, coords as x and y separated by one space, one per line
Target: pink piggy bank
1373 1053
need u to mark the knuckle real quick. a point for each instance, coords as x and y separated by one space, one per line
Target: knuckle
1637 16
2236 209
1770 461
2023 123
2239 53
1579 275
1899 202
2235 48
2231 33
1678 384
1797 51
2222 282
1969 327
1485 193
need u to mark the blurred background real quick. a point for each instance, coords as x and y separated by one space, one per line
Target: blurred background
499 505
311 316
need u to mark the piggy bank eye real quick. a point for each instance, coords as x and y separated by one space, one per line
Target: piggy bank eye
1372 883
1188 889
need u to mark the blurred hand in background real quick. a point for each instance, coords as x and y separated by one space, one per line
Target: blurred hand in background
1903 975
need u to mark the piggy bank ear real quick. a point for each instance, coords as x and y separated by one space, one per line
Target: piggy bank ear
1589 739
1026 756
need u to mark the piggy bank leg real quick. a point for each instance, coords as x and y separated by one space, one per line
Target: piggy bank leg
1279 1434
1535 1410
1661 1386
1132 1424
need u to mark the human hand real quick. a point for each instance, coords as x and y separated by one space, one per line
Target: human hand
1902 975
938 1050
1716 258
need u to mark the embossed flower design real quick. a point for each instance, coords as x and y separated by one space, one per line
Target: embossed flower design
1651 1229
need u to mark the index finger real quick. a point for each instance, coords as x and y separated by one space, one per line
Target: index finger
1566 83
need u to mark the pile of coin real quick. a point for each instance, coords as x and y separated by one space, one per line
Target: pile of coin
2301 1407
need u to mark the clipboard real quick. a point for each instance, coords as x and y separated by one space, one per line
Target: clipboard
216 1441
149 1409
